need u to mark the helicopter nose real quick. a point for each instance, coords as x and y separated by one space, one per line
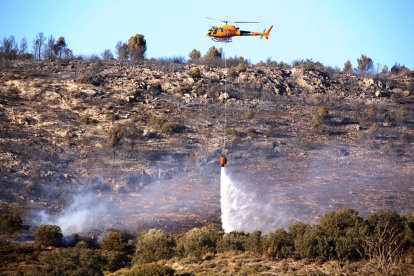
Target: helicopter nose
208 33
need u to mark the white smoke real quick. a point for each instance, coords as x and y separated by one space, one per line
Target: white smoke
81 214
246 210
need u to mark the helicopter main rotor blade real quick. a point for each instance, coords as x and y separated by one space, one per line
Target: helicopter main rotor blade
244 22
217 19
227 21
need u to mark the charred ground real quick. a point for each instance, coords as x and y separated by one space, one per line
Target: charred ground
145 138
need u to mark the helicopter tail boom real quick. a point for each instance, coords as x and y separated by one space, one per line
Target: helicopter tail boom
265 33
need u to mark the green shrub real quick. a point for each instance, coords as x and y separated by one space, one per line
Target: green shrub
343 229
113 260
10 223
115 241
232 241
197 242
70 261
316 244
164 126
297 230
154 245
152 269
279 244
49 235
254 242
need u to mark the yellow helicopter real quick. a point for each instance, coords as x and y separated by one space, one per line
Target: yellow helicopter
224 33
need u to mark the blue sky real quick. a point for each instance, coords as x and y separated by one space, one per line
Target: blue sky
327 31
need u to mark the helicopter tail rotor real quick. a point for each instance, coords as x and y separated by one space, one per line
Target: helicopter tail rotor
267 33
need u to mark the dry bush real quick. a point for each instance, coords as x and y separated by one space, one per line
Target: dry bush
194 72
199 89
89 78
115 135
254 269
372 112
241 67
10 223
321 116
402 114
384 239
150 270
373 128
249 114
87 120
284 266
231 72
183 89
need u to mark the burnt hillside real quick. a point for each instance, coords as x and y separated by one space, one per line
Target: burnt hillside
146 138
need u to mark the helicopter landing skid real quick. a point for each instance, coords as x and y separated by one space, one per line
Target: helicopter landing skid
222 39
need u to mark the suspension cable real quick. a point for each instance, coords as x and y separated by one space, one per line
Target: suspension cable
225 104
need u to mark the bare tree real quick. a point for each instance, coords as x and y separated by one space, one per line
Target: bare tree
67 54
38 44
107 55
384 241
23 46
9 47
48 50
122 51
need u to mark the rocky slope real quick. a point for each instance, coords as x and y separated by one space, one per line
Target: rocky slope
144 139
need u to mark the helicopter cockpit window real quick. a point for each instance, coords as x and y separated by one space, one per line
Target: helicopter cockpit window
221 30
214 30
